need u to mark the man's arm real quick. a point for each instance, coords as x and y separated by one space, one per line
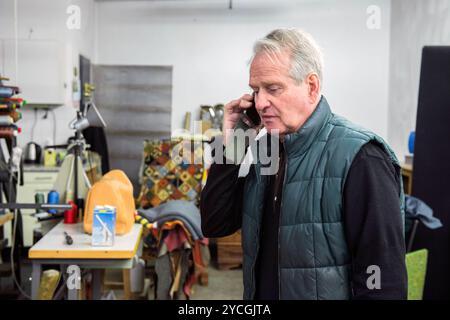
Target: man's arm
221 201
373 225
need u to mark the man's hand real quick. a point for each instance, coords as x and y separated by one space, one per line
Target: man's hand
232 113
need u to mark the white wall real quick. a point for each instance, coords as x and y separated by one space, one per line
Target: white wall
46 20
209 46
414 23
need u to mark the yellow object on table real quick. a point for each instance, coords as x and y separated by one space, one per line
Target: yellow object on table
49 158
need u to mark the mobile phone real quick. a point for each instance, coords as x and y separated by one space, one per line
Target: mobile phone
252 114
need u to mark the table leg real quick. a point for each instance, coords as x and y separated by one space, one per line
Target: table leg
97 284
72 291
35 279
126 284
72 294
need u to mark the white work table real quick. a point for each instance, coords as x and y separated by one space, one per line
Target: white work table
52 249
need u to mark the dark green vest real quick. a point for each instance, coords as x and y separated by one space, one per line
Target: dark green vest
314 261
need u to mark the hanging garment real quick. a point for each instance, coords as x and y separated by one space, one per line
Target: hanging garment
96 138
417 209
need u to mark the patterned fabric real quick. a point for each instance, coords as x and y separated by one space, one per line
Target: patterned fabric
172 170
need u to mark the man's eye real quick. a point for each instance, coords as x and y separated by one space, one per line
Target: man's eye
273 89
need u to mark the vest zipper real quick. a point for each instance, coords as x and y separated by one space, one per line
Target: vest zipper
253 273
252 295
279 216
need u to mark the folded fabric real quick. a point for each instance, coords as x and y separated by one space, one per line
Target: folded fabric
182 210
169 225
195 232
176 239
417 209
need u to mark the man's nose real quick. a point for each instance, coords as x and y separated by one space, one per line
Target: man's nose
261 101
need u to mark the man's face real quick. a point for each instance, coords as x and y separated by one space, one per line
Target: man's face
281 102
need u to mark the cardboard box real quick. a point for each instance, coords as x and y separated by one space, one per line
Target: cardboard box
103 226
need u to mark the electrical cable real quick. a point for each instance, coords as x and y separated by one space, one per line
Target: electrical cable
57 295
34 124
58 290
13 272
13 240
89 152
54 126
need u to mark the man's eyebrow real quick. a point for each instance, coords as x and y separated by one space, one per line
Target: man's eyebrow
267 84
272 83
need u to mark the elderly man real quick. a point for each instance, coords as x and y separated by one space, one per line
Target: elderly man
329 223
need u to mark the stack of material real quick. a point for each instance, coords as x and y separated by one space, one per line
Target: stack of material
9 110
181 251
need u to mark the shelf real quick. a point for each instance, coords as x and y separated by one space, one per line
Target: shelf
42 105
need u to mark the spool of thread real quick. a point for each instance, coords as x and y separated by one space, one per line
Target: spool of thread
52 198
6 120
70 216
39 198
6 132
16 116
411 141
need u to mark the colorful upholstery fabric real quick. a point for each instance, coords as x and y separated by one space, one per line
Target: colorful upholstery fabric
172 170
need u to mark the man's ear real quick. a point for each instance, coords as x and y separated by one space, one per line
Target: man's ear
313 87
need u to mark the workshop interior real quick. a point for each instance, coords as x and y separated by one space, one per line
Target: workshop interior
97 97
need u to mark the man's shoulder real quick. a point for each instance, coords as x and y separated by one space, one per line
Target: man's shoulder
344 140
373 150
342 128
373 155
341 137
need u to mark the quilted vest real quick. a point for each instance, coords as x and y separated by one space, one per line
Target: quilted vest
313 257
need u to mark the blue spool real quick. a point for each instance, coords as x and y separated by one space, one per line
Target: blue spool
52 198
411 141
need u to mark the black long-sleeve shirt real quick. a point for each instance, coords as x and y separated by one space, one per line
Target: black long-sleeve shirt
372 223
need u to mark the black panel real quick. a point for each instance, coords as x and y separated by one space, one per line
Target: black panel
85 77
431 176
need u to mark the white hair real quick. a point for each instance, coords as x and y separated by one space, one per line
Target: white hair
306 55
